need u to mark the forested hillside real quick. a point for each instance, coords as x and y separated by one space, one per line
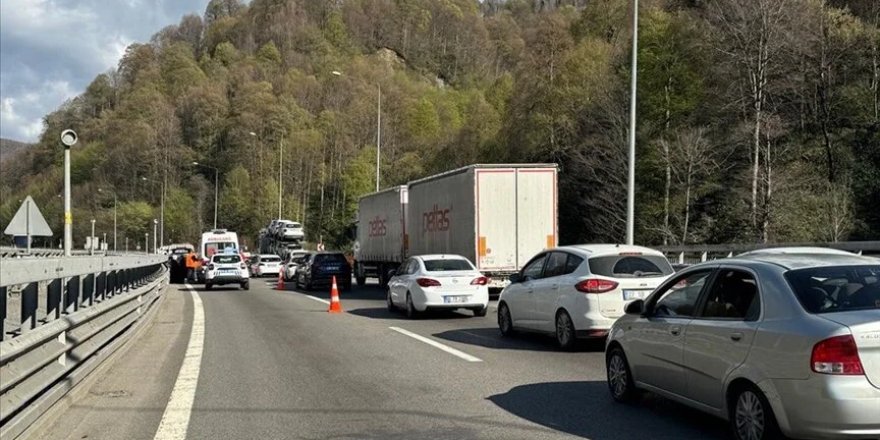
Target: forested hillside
758 120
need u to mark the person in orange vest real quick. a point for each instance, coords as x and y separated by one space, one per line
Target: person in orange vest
192 265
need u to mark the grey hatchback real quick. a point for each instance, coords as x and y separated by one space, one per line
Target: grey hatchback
777 342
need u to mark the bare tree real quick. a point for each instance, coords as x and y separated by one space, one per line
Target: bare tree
751 35
692 158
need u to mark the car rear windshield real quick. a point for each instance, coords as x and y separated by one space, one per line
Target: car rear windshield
330 259
447 265
836 288
630 266
227 259
270 259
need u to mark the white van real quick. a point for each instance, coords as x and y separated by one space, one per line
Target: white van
216 242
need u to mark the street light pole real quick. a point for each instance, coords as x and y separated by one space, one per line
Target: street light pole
631 180
68 139
378 126
92 239
155 225
280 174
146 242
378 132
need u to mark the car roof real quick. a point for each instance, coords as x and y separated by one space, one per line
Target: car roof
800 260
440 257
600 250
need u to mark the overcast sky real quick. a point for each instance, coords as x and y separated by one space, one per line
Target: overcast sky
50 50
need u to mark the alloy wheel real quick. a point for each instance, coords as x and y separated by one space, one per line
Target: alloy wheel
749 415
617 376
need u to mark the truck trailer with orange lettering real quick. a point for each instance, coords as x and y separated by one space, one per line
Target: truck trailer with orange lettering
497 216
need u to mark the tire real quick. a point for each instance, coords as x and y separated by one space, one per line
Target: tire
751 417
246 285
389 302
481 312
620 381
411 311
208 285
505 322
565 332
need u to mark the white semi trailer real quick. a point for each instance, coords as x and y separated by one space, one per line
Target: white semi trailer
498 216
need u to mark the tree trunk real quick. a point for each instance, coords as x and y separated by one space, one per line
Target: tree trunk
668 182
768 192
687 203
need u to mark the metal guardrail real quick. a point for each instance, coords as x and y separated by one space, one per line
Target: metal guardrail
14 252
89 306
692 254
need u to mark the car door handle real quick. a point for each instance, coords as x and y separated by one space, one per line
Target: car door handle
736 336
676 330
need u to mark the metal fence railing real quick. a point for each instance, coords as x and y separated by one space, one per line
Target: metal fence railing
692 254
59 318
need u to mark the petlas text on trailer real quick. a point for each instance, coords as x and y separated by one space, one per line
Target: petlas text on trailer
498 216
381 238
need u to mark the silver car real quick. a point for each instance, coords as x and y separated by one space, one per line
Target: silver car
775 342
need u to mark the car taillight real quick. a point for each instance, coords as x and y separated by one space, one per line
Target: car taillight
428 282
480 281
837 355
210 267
595 285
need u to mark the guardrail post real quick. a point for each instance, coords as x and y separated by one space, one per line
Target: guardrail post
29 300
681 258
101 286
704 256
71 295
53 301
2 313
88 291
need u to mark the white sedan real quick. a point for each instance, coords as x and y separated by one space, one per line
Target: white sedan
438 282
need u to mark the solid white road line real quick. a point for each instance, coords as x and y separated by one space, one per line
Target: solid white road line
318 299
436 344
175 420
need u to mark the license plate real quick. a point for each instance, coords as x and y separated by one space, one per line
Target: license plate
228 271
455 299
635 294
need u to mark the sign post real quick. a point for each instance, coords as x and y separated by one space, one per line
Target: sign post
28 222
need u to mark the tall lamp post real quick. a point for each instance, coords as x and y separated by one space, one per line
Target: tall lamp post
378 126
155 225
216 187
161 212
115 205
631 180
68 139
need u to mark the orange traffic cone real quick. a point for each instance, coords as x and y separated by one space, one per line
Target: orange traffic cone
335 305
280 285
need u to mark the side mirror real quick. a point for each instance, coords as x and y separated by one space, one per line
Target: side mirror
392 272
636 307
515 278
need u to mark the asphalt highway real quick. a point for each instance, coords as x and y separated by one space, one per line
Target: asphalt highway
270 364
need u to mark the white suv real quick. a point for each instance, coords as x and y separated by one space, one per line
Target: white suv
227 268
579 291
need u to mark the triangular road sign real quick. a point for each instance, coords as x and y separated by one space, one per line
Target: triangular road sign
28 221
